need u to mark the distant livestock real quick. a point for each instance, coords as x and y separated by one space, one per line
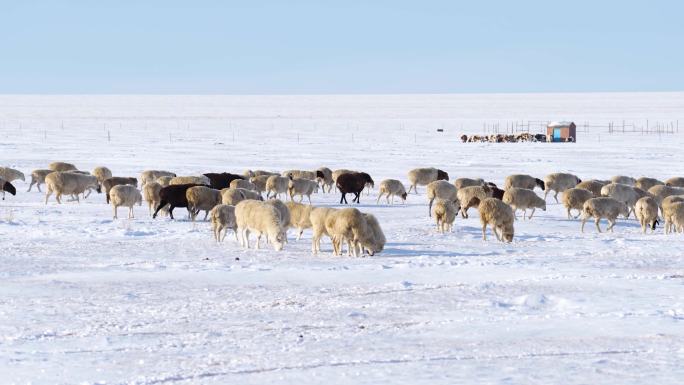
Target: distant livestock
353 183
499 216
174 196
62 183
223 218
391 187
38 178
109 183
124 195
603 207
523 181
424 176
559 182
523 199
260 218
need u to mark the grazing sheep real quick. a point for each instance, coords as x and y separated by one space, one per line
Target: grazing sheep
242 183
317 217
325 178
102 173
151 195
593 185
277 185
310 175
646 211
124 195
164 180
440 189
459 183
392 187
6 186
667 209
10 174
148 176
231 196
499 216
522 199
673 214
472 196
221 180
284 214
201 198
621 192
424 176
174 196
260 218
676 181
223 218
69 183
38 178
645 183
201 180
523 181
302 187
444 212
353 183
378 235
622 179
108 183
574 198
259 183
249 194
603 207
300 216
559 182
61 166
351 225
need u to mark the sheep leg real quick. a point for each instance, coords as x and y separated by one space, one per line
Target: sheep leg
534 208
258 241
47 194
58 197
611 223
430 207
357 197
299 236
569 216
378 200
31 185
555 196
130 213
409 190
388 198
206 214
597 225
584 220
170 211
498 238
343 198
484 231
115 211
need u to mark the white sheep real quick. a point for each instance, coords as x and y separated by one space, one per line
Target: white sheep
574 198
440 189
68 183
351 225
231 196
523 181
646 211
559 182
646 183
523 199
302 187
376 232
325 178
276 185
201 179
622 179
317 217
202 198
676 181
459 183
153 176
310 175
10 174
242 183
391 187
661 192
283 211
621 192
150 192
300 216
259 183
603 207
250 194
101 173
61 166
124 195
260 218
472 196
593 185
223 218
499 216
668 210
424 176
444 212
38 178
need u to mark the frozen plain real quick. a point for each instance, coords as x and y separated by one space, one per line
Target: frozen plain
85 299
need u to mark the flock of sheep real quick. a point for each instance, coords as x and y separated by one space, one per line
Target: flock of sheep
236 202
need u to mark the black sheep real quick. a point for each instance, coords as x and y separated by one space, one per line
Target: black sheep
6 186
221 180
353 183
174 196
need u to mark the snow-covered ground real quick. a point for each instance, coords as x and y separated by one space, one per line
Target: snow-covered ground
88 299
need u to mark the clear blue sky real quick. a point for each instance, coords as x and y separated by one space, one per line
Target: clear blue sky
373 46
